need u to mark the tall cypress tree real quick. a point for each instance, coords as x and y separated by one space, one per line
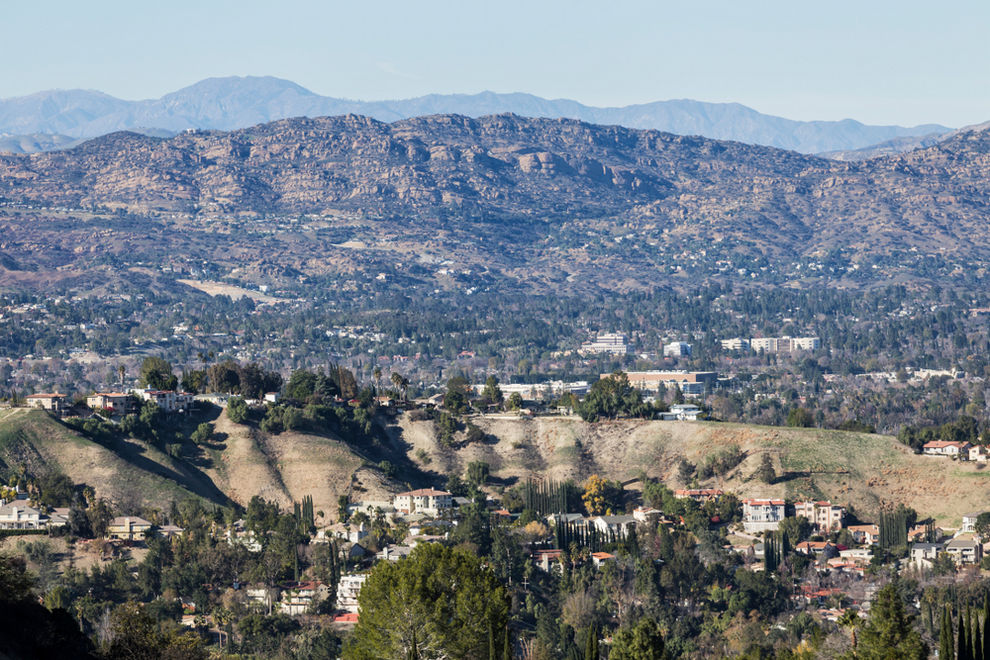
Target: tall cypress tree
946 646
591 648
506 646
962 650
986 627
491 642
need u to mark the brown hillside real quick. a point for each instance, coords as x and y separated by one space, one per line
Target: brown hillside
859 470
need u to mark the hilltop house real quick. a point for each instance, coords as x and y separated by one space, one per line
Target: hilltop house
119 403
698 494
169 401
923 554
964 551
762 515
128 528
948 448
823 515
618 526
19 516
428 501
348 590
299 597
865 534
53 402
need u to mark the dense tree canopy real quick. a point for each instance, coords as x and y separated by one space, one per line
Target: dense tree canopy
439 598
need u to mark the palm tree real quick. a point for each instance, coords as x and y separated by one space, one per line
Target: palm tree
377 373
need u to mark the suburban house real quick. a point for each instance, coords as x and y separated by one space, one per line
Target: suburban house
923 554
19 516
168 400
54 402
699 494
979 453
762 515
823 515
619 526
947 448
425 500
969 522
348 589
299 597
128 528
263 595
647 514
865 534
964 551
600 558
681 412
118 403
548 560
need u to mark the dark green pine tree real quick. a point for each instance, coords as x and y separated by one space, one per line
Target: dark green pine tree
591 648
962 647
976 645
986 627
946 645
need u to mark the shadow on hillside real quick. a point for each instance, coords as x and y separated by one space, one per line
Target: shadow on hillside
134 453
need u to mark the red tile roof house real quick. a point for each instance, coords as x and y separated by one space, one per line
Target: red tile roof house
947 448
762 515
425 500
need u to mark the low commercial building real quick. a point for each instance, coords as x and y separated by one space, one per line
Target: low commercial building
677 349
689 382
735 344
784 344
605 344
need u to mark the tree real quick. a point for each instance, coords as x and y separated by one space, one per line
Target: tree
591 644
766 472
492 393
640 642
157 374
800 417
515 401
601 496
946 647
982 526
237 410
477 473
611 397
202 433
442 599
889 635
456 398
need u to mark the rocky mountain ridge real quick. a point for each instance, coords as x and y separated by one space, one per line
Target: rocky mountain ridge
534 194
235 102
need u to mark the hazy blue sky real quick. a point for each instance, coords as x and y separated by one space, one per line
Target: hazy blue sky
901 62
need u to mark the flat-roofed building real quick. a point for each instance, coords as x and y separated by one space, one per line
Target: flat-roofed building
683 380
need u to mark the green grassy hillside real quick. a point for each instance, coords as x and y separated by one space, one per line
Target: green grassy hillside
130 473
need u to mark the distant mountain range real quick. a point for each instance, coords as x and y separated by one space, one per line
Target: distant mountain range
545 202
66 116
